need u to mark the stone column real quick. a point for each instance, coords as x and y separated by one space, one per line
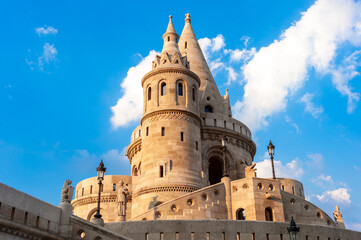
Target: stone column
227 184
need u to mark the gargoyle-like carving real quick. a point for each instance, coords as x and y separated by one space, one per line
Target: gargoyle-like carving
250 171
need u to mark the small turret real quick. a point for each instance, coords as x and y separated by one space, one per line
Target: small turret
170 53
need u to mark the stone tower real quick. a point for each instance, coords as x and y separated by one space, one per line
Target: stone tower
170 164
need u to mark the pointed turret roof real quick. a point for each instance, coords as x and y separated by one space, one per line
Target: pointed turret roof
188 45
170 38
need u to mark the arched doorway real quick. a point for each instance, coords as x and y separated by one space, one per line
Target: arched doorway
241 214
215 170
269 214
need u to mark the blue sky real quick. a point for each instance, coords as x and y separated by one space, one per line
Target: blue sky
291 68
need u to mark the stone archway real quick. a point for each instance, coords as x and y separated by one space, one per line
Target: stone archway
215 170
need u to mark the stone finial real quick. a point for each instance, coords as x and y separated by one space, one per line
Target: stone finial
338 217
188 18
337 214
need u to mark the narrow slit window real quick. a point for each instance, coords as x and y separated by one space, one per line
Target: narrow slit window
197 145
180 89
37 221
163 131
182 136
147 131
215 122
185 45
26 217
225 124
82 191
293 190
114 187
168 38
91 189
193 94
149 93
163 90
140 133
161 171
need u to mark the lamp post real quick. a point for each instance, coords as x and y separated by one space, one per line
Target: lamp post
100 170
271 152
293 230
224 141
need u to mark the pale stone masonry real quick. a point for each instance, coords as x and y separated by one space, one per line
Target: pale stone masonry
184 185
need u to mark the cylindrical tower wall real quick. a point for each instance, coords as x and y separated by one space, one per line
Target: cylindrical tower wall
171 140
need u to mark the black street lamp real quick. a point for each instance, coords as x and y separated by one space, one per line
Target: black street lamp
224 141
100 170
271 152
293 230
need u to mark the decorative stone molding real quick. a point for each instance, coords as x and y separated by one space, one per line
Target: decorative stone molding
171 114
90 200
165 189
171 70
235 138
133 149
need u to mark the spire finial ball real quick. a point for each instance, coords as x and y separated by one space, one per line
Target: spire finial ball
170 16
188 17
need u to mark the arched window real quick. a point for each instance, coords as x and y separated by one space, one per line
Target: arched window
269 214
193 94
180 89
168 38
208 109
149 93
163 89
241 214
215 170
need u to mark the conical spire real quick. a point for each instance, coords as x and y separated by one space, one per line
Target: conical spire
188 46
170 38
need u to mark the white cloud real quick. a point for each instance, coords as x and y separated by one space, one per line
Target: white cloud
48 55
343 74
232 75
46 30
339 195
129 107
317 161
281 69
322 180
288 120
241 54
292 169
210 46
310 106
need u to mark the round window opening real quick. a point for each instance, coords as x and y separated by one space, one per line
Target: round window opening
307 207
208 98
158 214
144 219
292 201
173 208
260 186
271 187
81 233
190 202
245 186
216 192
319 215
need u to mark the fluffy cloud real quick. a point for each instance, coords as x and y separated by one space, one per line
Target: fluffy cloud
292 169
343 74
282 68
339 195
209 46
310 106
46 30
129 107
